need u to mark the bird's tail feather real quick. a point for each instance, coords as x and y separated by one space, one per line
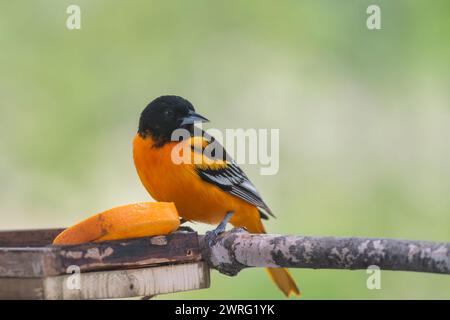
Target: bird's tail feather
280 276
283 280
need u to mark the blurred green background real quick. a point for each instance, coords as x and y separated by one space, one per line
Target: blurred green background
363 116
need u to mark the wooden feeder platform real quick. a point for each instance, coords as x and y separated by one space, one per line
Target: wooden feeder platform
32 268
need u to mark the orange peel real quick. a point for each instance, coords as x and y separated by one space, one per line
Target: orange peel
129 221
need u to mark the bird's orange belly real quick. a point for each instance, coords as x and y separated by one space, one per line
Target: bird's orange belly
195 199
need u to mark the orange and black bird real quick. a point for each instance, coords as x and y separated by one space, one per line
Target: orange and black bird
205 191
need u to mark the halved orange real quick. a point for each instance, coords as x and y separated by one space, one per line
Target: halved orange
123 222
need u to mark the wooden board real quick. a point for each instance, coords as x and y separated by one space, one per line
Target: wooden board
32 268
49 260
28 238
109 284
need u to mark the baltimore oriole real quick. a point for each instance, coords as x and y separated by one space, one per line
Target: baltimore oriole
203 191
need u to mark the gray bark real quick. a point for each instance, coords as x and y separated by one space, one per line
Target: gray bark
232 251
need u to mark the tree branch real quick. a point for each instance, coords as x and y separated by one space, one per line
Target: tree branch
237 249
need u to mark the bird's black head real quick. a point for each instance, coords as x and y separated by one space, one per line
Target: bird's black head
164 115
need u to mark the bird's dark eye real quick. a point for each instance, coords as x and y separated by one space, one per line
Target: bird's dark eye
168 113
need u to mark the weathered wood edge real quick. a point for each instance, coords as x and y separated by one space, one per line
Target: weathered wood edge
28 262
36 262
110 284
28 237
22 288
178 247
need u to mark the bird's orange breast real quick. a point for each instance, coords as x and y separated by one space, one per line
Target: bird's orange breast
194 198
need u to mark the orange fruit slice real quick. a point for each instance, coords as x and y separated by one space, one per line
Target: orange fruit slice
129 221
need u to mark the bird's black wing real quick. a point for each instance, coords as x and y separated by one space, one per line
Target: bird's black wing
228 176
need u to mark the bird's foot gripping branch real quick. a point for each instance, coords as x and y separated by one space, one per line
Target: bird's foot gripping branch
230 252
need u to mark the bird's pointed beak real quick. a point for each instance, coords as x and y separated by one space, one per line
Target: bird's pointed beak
192 118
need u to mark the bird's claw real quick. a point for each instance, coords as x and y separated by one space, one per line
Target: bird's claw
213 234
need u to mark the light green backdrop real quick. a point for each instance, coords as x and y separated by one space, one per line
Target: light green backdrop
363 116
